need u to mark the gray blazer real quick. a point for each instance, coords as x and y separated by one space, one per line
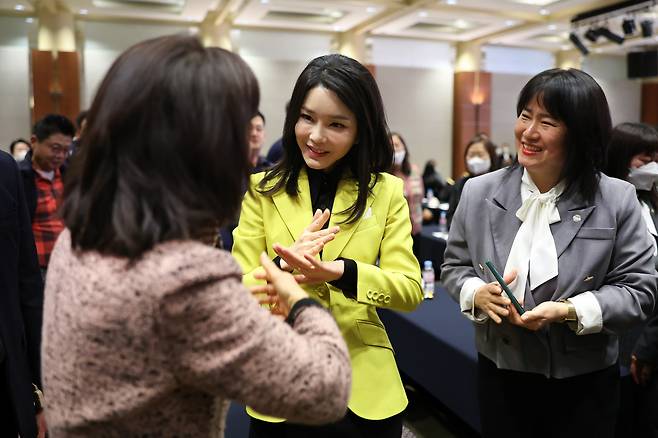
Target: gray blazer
602 247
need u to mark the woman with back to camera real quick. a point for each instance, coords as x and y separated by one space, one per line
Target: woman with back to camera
331 185
147 328
413 185
572 244
632 154
479 158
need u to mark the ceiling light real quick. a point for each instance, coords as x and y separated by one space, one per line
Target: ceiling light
264 2
335 14
29 20
611 36
592 34
451 2
461 24
422 14
628 25
647 28
510 22
19 7
552 27
371 9
83 12
544 11
579 44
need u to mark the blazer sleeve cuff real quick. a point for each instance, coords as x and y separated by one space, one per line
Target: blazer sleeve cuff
467 297
590 316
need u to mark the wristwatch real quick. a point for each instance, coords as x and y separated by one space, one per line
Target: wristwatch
572 317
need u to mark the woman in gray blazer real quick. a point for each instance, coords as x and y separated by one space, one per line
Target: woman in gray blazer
573 248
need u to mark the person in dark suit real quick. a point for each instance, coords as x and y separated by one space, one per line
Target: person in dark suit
21 302
632 154
573 248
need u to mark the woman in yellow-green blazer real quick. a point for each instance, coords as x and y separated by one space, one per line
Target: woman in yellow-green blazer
329 213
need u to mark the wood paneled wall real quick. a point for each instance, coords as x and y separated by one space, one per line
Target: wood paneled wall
55 84
471 113
650 103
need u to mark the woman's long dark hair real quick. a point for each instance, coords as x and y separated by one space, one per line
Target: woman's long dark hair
165 151
406 165
372 151
628 140
576 99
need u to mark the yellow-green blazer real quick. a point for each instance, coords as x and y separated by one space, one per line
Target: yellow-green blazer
388 275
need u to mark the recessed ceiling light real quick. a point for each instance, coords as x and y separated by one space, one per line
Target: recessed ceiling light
451 2
422 14
83 12
335 14
264 2
338 28
371 9
544 11
552 27
461 24
19 7
29 20
510 22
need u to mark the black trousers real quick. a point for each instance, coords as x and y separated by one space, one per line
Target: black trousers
351 426
8 425
638 414
517 404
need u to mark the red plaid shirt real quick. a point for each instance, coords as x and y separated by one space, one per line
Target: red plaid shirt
46 224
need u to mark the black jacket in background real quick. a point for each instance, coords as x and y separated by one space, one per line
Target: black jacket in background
21 296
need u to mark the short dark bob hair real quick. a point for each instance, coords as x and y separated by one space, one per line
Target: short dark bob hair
165 152
626 141
574 98
372 151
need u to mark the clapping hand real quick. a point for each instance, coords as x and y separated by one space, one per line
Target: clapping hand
312 239
311 269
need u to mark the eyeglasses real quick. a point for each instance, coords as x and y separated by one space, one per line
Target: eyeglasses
58 148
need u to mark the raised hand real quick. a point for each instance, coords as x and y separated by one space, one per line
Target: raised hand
311 269
313 238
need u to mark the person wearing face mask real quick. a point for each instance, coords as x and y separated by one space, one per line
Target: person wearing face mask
413 185
19 149
479 157
632 152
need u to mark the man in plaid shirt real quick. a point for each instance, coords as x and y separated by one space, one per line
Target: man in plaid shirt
42 171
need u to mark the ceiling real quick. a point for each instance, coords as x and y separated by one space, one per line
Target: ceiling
539 24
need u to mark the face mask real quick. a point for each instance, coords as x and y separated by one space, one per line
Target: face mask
398 157
644 177
478 166
20 155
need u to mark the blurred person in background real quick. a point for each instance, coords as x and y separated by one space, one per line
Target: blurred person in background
480 158
413 185
148 329
21 305
632 154
43 169
256 141
19 149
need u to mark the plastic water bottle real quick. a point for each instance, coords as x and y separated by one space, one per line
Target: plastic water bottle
443 221
428 280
